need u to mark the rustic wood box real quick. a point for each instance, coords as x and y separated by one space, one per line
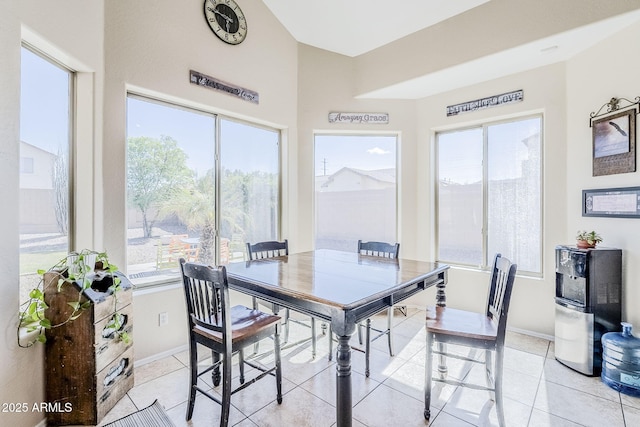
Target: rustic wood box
87 367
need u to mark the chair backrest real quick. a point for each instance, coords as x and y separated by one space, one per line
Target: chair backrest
207 296
270 249
381 249
499 297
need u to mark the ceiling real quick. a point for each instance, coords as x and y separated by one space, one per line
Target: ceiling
355 27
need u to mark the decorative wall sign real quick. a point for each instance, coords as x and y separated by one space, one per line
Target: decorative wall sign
200 79
612 202
614 137
368 118
491 101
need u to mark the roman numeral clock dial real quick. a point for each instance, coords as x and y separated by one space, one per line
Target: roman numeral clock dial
226 20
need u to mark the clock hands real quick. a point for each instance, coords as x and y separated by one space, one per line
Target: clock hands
225 17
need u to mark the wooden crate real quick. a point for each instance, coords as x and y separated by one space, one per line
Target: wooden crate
87 369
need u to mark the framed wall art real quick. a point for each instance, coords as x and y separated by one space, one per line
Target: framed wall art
612 202
614 140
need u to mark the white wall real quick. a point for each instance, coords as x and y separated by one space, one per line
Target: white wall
76 43
610 69
150 50
14 365
544 92
326 83
490 28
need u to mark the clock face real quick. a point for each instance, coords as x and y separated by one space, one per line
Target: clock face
226 20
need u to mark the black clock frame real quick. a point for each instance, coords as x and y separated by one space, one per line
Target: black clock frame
226 15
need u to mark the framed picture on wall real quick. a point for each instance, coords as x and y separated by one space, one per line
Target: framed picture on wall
614 143
612 202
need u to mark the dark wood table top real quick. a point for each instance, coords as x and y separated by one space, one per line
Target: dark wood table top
338 279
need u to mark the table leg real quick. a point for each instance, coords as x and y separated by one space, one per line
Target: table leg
441 297
343 383
441 301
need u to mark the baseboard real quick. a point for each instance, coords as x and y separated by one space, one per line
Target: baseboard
532 333
160 355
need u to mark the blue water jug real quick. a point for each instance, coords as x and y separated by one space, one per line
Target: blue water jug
621 361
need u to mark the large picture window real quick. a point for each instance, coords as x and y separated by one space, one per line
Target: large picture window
192 190
249 187
45 172
355 190
490 194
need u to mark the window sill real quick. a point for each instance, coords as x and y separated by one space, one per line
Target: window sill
152 288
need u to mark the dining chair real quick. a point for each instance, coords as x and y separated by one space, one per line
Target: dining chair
484 331
384 250
271 249
226 331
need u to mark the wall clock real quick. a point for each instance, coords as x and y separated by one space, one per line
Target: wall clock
226 20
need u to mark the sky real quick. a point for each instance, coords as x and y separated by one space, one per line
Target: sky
460 152
243 147
368 152
44 107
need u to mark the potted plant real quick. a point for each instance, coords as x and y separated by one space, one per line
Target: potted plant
587 239
88 270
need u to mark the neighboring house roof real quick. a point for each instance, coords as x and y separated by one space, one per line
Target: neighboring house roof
382 175
387 176
35 147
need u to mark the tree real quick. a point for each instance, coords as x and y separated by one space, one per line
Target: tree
235 215
61 191
194 205
156 169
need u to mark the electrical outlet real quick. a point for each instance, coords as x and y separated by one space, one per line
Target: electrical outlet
163 318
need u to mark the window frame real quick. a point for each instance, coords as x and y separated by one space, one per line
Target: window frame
484 125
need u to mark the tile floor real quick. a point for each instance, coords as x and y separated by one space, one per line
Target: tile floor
538 390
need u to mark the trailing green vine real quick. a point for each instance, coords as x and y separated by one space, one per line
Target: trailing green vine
82 268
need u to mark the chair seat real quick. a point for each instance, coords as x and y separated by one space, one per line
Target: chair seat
481 331
245 322
461 323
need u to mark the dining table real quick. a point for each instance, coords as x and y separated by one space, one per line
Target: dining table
342 288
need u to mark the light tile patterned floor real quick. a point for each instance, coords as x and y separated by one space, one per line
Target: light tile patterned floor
539 391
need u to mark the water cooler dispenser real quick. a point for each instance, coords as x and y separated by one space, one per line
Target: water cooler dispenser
588 304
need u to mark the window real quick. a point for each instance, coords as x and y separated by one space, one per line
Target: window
249 184
26 165
355 190
173 183
45 173
490 194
